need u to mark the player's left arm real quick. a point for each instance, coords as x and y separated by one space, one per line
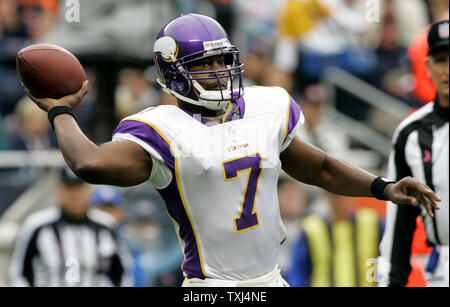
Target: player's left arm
310 165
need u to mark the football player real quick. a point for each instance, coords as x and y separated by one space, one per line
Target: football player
215 159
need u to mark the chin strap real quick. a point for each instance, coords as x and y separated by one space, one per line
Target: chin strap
211 105
213 95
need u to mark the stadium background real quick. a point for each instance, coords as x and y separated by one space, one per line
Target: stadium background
355 66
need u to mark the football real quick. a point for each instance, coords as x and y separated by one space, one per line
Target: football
49 71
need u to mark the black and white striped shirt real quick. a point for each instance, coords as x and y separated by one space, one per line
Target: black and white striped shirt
420 150
54 250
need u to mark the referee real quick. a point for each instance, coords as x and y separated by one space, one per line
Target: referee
420 150
67 245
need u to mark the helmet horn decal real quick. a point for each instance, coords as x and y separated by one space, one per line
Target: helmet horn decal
168 48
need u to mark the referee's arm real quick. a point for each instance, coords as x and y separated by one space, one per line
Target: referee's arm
21 269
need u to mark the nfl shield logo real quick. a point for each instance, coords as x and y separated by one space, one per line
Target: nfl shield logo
231 130
443 30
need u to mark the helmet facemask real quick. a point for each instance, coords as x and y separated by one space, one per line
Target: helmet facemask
184 84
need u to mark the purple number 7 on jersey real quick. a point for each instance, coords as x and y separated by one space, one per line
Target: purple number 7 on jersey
248 218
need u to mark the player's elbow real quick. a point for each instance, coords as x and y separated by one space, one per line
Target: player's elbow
97 171
89 171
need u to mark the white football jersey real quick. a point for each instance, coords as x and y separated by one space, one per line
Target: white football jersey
219 182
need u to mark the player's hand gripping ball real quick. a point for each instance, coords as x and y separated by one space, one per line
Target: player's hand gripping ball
51 76
49 71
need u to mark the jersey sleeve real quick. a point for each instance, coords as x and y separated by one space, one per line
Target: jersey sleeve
293 121
151 140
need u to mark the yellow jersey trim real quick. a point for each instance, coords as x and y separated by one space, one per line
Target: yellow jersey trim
179 189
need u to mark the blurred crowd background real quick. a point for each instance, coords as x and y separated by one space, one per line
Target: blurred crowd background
355 67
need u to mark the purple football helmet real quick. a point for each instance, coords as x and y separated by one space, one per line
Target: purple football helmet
190 38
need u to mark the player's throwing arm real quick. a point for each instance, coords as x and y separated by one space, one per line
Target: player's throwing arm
53 72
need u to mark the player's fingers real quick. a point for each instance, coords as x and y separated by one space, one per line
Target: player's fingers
36 99
414 184
426 194
430 203
407 200
41 102
424 201
31 96
85 84
84 88
82 91
436 206
427 187
430 195
436 198
416 187
428 210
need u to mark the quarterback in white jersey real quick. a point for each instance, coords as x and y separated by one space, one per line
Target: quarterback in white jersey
235 165
216 157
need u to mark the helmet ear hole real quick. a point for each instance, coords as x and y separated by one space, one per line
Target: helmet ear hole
171 76
178 82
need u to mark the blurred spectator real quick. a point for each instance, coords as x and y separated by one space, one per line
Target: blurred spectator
112 27
292 200
424 89
315 34
326 134
271 75
392 72
150 237
439 10
86 112
255 26
296 19
253 69
13 31
409 26
220 10
21 23
224 14
32 131
339 250
11 89
67 245
135 92
318 260
109 200
12 38
3 136
410 17
39 16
